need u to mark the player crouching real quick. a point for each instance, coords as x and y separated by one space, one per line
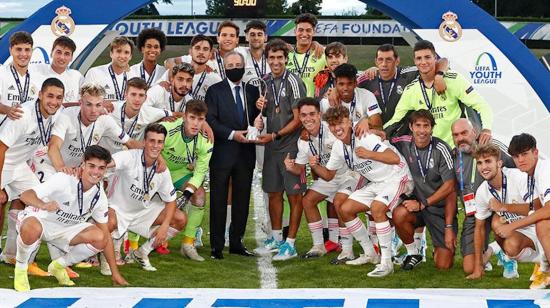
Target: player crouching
507 193
133 201
389 178
58 212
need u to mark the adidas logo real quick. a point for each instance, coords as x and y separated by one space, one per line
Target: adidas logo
12 88
296 186
172 149
106 87
136 179
66 203
386 197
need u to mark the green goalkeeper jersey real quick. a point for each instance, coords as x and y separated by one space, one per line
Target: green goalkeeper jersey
306 66
186 157
445 107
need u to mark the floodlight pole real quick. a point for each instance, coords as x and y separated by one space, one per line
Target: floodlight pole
495 7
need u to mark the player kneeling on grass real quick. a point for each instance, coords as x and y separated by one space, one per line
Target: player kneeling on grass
187 154
58 212
133 201
434 202
504 192
389 178
316 149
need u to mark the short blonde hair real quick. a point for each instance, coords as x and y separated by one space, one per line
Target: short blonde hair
486 151
92 89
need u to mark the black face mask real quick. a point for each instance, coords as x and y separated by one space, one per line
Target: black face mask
234 74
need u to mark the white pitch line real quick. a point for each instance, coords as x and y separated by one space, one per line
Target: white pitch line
268 273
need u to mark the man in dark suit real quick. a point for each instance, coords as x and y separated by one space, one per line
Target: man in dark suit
231 110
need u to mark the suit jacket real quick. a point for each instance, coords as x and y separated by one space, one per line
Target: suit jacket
222 117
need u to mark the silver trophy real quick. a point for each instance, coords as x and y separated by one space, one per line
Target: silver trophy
252 132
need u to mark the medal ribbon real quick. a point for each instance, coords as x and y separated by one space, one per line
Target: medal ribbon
199 85
301 69
147 178
80 197
23 92
347 156
84 145
119 93
151 77
45 134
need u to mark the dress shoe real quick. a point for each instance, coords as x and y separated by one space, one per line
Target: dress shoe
216 254
241 251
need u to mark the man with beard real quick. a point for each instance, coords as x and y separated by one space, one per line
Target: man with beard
466 139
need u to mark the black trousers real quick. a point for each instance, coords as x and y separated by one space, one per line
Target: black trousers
241 174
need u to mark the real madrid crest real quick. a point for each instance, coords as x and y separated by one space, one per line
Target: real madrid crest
450 30
63 24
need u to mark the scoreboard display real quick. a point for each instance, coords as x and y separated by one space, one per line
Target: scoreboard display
245 8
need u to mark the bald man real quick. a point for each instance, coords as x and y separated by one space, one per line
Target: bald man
466 139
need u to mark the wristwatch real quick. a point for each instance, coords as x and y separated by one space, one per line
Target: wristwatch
277 136
440 73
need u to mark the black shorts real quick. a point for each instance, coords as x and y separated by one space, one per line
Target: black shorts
277 179
433 218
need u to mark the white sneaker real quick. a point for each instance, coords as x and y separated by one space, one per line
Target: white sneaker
286 252
105 270
190 251
381 270
364 259
315 252
343 257
128 258
143 261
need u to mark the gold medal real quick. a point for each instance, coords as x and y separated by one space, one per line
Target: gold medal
277 109
146 197
190 166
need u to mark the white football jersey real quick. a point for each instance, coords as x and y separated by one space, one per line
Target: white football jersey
63 189
516 190
311 148
76 136
542 180
126 186
114 87
23 136
158 97
9 89
137 70
134 127
253 68
71 79
343 156
365 105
